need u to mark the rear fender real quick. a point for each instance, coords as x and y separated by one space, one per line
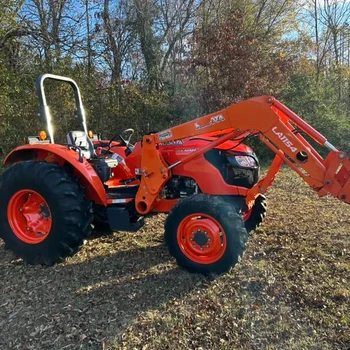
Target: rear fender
54 153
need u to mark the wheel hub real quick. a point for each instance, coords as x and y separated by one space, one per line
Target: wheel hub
29 216
201 238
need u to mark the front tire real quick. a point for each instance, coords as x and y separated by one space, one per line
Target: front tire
44 215
254 217
205 234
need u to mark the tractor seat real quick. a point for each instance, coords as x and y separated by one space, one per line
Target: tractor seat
81 140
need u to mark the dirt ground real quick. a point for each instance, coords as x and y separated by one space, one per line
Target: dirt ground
291 290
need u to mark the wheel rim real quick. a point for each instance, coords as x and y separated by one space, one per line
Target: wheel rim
201 238
29 216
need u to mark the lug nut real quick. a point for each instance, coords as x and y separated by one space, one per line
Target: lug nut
205 232
208 246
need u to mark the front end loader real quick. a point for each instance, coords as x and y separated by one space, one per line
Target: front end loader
199 172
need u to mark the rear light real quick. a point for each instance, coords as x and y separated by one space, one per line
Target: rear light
245 161
42 135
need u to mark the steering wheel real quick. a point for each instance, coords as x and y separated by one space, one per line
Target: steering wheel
127 142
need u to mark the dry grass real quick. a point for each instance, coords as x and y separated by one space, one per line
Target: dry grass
291 291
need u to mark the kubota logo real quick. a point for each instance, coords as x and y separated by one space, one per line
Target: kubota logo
284 139
213 120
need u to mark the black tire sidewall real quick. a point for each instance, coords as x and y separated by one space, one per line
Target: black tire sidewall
257 215
228 218
44 185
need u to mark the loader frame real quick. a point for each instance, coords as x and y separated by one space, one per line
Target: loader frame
278 128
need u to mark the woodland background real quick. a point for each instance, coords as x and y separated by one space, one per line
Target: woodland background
150 64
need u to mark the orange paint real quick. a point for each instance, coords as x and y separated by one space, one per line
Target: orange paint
275 124
58 153
29 216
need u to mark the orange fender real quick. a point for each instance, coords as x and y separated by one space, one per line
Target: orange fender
54 153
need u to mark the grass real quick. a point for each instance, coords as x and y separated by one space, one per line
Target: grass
291 290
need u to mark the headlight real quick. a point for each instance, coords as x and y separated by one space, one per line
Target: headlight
246 161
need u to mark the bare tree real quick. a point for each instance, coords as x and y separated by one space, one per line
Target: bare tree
330 33
319 33
333 16
54 25
116 56
161 27
9 27
117 38
146 14
273 17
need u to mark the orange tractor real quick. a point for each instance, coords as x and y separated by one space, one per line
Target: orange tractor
199 172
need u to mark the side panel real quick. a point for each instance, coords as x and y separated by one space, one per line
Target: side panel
54 153
208 177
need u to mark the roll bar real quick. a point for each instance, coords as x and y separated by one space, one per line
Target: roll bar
44 110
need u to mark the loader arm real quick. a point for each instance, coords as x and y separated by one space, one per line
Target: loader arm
277 126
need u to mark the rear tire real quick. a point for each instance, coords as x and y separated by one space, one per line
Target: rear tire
52 226
212 244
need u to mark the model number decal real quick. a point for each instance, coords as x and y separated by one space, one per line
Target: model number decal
213 120
185 150
284 139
